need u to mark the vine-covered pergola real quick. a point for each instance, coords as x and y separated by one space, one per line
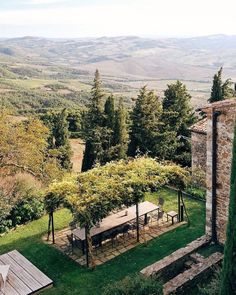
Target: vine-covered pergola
92 195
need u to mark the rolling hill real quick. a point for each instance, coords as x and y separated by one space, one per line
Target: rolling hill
65 68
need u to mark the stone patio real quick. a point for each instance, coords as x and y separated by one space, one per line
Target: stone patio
121 244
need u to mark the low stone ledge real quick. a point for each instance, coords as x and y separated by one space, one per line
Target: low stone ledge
195 273
180 256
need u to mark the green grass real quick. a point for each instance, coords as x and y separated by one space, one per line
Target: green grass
70 278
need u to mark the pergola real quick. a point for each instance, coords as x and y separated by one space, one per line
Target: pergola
94 194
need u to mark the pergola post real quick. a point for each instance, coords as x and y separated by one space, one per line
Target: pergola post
53 232
86 246
49 225
183 207
179 209
137 221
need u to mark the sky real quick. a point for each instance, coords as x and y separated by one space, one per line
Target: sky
96 18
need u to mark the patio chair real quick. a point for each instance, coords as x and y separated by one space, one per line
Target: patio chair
106 236
161 202
4 270
142 222
157 215
113 236
97 242
125 229
132 226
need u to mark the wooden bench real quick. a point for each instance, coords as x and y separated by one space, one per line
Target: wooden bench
172 214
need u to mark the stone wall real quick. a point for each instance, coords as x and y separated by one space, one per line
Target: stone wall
225 131
199 151
168 266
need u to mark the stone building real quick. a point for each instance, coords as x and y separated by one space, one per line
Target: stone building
220 123
199 145
212 140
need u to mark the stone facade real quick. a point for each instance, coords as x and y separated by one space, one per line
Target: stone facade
199 151
225 131
199 146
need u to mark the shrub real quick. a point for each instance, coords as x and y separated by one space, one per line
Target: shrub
199 193
30 208
20 201
134 285
213 287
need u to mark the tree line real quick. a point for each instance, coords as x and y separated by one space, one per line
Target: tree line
154 127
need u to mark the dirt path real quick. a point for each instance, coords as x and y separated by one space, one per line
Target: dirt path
77 146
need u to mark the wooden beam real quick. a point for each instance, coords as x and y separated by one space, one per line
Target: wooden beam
86 246
137 221
53 231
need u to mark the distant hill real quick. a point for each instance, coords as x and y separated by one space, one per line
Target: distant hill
126 63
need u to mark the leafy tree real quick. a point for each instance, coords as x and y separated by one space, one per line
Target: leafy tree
24 148
121 135
220 90
58 137
177 117
228 283
105 188
145 123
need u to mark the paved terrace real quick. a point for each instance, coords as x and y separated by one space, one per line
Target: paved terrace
121 245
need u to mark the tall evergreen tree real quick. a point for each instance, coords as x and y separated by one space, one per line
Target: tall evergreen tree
145 123
178 116
61 135
220 90
94 122
216 90
121 135
110 112
61 132
96 101
228 282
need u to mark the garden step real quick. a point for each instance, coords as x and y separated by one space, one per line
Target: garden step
196 257
186 278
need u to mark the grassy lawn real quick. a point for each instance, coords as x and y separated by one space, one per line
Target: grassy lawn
70 278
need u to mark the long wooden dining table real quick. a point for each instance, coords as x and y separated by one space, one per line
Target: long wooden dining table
116 219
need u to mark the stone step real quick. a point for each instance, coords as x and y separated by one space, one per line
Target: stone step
194 273
196 257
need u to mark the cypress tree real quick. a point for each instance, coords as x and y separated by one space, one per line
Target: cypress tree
145 124
178 116
121 135
216 90
96 101
61 132
109 111
93 125
61 135
228 281
220 90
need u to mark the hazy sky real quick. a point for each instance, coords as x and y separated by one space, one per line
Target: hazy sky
95 18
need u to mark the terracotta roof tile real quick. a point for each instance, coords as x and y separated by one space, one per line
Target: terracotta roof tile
220 104
200 126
